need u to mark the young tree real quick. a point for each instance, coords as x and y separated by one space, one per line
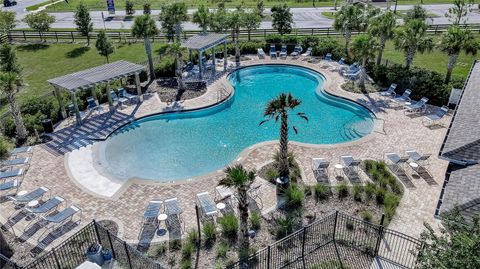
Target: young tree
9 87
382 27
177 50
282 19
349 18
240 179
103 45
202 17
251 21
8 59
147 8
219 20
364 47
259 8
279 109
457 14
456 247
412 38
172 16
83 21
39 21
129 10
415 13
235 23
144 27
453 42
7 21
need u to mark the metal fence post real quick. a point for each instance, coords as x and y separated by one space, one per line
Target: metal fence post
198 226
303 241
24 36
268 257
380 235
56 259
96 232
73 39
111 244
128 255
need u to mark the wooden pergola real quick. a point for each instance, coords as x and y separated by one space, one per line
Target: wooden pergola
205 41
90 78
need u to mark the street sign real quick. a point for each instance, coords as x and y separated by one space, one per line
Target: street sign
111 7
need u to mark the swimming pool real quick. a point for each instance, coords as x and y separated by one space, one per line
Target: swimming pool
182 145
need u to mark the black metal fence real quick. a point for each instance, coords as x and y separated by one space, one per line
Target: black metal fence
335 241
125 36
71 253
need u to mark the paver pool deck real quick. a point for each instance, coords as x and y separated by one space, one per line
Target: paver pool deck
396 132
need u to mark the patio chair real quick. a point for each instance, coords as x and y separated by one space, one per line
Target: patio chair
71 113
8 185
320 166
59 219
436 116
328 57
341 61
36 194
417 106
16 151
352 75
390 92
222 193
396 160
296 51
12 173
49 205
308 52
273 51
151 213
16 161
260 53
283 51
173 208
92 105
122 93
350 163
418 158
405 97
116 99
206 204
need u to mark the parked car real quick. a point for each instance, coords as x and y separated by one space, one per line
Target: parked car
9 3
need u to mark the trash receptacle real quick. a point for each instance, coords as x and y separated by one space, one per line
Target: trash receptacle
94 254
282 185
47 126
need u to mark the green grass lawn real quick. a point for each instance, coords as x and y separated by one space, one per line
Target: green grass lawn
138 4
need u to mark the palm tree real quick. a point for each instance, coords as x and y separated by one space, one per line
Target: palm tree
235 23
9 86
279 108
202 17
348 19
363 47
412 38
144 27
453 41
382 27
177 50
241 179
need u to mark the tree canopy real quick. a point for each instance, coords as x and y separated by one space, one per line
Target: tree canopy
83 21
39 21
282 19
7 21
104 45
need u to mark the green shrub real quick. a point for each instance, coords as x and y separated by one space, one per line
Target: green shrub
9 129
389 212
391 200
175 244
329 45
380 196
192 237
370 190
157 250
342 190
274 39
271 174
222 250
294 196
284 226
255 220
382 181
357 193
310 41
250 47
166 67
209 232
186 264
4 148
187 250
322 191
367 215
229 225
41 107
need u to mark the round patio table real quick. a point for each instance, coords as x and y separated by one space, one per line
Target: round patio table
160 218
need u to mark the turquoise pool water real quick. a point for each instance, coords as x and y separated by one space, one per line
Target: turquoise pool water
169 147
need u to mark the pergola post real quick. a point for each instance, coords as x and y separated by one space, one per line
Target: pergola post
60 102
109 96
225 56
94 93
214 63
200 67
75 106
139 88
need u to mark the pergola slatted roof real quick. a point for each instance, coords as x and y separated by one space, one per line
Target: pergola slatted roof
204 41
93 76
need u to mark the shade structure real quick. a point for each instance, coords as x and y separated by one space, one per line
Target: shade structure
204 41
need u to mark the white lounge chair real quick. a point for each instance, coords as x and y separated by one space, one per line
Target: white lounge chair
172 209
405 97
33 195
320 166
58 220
206 204
418 158
151 212
350 163
436 116
260 53
390 92
396 160
296 51
417 106
308 52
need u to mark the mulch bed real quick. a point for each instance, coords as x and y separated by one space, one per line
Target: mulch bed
167 90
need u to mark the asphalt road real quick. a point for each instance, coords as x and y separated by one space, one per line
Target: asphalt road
303 17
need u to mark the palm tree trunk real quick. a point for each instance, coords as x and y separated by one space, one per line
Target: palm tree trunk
148 49
283 159
452 59
237 49
178 70
381 47
243 209
409 57
348 36
178 31
17 119
363 74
